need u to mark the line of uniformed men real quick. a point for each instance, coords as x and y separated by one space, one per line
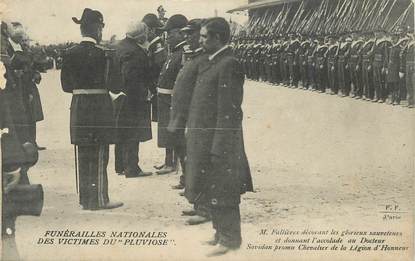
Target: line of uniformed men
375 66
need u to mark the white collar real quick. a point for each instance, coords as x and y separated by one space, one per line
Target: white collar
144 46
88 39
212 56
198 50
16 46
180 44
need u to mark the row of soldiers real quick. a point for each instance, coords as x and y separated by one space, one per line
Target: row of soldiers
376 66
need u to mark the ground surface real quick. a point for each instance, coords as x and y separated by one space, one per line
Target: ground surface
318 162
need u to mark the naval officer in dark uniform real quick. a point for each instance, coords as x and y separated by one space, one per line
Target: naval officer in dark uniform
90 73
168 74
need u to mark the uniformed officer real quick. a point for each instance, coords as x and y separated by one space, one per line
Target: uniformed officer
167 78
408 70
193 58
321 65
332 52
215 144
90 72
311 65
157 53
393 70
302 60
343 69
380 62
367 69
292 61
356 67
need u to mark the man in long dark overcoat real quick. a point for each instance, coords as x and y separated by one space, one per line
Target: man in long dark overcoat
215 146
90 73
134 120
193 58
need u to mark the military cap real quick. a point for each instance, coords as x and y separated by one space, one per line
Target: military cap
193 25
152 21
90 16
177 21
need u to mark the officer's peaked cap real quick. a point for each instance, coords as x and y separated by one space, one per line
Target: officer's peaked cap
177 21
152 21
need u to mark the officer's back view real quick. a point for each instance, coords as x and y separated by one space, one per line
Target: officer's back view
90 72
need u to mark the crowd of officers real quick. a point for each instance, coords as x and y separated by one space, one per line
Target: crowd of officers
374 66
194 85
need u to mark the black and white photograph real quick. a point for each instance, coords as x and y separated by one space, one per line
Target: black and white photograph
207 130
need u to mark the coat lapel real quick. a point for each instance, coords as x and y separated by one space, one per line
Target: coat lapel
206 66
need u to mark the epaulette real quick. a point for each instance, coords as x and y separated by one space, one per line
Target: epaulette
102 47
68 49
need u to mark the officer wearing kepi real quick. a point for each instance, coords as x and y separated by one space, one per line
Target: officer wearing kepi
90 73
168 74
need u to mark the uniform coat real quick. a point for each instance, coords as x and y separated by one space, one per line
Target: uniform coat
183 91
167 79
393 64
134 122
84 67
215 128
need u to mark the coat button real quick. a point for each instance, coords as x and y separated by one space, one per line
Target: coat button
9 231
214 201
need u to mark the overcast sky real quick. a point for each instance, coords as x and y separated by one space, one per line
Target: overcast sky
49 21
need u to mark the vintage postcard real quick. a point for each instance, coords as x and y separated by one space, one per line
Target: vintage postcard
207 130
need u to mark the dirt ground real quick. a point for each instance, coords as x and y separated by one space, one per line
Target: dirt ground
318 162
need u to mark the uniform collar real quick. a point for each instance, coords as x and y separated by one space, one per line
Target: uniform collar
211 57
179 45
88 39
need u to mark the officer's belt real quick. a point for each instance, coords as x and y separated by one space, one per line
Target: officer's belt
164 91
89 91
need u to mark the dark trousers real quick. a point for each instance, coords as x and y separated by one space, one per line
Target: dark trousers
332 79
311 76
179 152
395 90
93 181
410 69
126 157
32 133
357 82
227 223
8 240
377 82
367 83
